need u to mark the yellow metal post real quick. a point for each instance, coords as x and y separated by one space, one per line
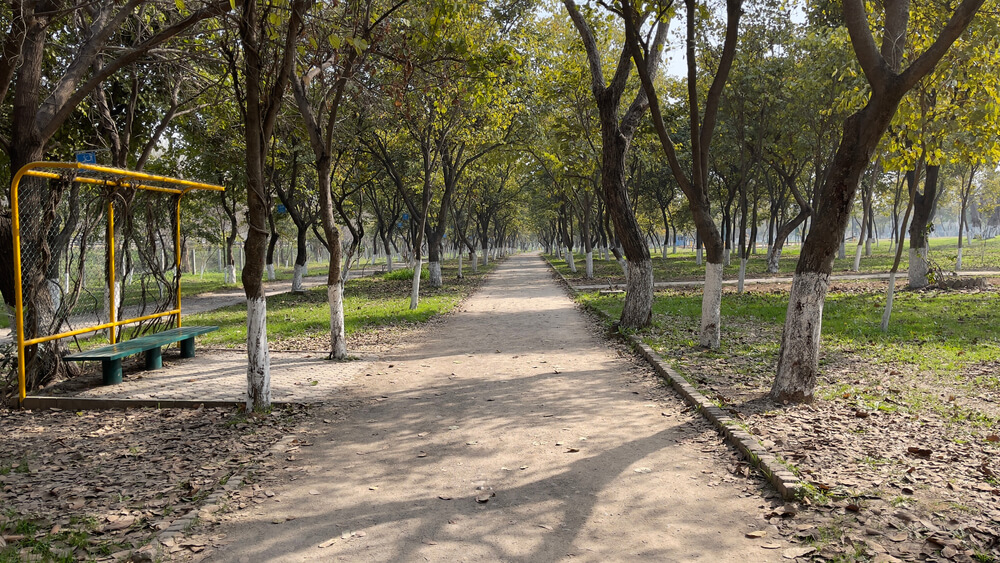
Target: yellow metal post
113 311
177 248
181 188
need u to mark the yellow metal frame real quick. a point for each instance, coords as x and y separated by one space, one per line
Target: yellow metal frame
166 186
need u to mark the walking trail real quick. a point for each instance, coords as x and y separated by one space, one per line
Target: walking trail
509 431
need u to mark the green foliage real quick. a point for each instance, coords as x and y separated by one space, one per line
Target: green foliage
404 274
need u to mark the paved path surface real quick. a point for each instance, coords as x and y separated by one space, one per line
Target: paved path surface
517 396
784 279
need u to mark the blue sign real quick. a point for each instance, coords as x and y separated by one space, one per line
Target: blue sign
406 216
86 157
281 209
399 224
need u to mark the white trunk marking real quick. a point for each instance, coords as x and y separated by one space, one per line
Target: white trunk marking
415 291
231 273
270 272
890 292
590 265
857 259
698 257
711 307
917 271
726 257
475 263
570 261
743 274
460 274
388 262
435 274
338 342
798 358
958 261
297 273
258 357
624 266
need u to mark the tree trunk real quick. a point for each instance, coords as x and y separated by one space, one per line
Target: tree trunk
923 213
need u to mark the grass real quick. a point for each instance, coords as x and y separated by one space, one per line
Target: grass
68 545
369 303
976 255
940 331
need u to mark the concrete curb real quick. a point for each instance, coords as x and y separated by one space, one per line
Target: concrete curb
783 480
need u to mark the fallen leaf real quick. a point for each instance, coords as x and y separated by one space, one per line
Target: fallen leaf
327 543
796 552
313 492
756 534
572 450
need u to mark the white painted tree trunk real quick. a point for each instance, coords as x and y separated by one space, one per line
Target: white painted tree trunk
297 274
857 259
638 294
590 265
726 257
460 273
698 257
773 258
711 307
258 357
486 257
743 275
108 304
270 273
958 261
842 251
624 266
474 260
415 288
388 262
338 342
231 274
917 271
890 292
868 246
798 357
435 274
570 261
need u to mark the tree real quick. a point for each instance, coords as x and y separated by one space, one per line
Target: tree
702 127
798 363
260 79
617 131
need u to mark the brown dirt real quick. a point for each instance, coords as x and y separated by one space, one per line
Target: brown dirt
509 431
894 475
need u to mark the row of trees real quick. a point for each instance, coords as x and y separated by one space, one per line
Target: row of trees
461 116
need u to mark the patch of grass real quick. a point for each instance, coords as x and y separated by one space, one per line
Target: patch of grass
369 303
976 255
404 274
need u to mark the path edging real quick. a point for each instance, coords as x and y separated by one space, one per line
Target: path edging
780 477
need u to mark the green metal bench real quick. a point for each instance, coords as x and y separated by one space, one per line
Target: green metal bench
111 355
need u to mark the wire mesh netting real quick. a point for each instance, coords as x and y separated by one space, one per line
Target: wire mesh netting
66 254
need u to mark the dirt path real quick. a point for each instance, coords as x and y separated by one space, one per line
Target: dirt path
569 444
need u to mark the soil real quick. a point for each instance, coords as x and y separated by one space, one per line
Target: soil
899 465
510 430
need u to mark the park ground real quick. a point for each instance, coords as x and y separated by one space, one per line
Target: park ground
588 456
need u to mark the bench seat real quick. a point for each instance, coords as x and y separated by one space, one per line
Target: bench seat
112 354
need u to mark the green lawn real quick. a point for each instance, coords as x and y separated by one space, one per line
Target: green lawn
976 255
369 303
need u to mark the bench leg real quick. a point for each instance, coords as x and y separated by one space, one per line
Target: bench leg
111 370
187 348
154 358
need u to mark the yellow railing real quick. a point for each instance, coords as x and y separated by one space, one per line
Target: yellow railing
166 185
